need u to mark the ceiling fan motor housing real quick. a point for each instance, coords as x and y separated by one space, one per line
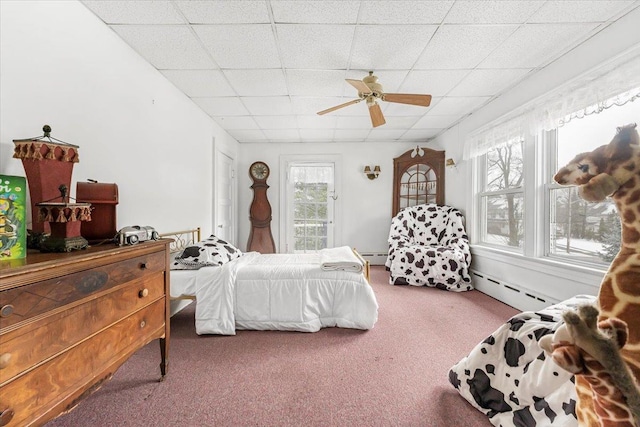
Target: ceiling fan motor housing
374 86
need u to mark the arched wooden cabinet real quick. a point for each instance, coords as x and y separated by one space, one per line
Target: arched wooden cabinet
418 179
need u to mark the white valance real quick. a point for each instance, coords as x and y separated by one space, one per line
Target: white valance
614 83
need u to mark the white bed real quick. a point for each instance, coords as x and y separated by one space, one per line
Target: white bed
289 292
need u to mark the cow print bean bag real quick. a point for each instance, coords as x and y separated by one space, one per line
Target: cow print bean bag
509 378
428 246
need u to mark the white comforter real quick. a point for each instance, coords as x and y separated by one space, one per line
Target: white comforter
281 292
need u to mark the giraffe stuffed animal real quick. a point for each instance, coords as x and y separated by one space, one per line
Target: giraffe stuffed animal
591 350
613 170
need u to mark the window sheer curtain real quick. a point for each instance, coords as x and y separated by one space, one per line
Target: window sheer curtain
613 83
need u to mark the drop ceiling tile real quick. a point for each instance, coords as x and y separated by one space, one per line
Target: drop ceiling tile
404 12
244 123
395 109
244 135
378 47
400 122
225 11
433 121
492 12
268 105
315 12
316 134
222 106
579 11
282 135
315 46
313 82
462 46
383 133
200 83
135 12
276 122
420 134
534 45
257 82
166 46
488 82
354 122
432 82
317 122
240 46
351 134
457 105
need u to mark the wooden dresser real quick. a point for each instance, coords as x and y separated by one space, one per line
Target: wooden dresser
69 320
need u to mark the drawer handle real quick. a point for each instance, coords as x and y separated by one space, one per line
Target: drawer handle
143 293
4 360
6 416
6 310
143 266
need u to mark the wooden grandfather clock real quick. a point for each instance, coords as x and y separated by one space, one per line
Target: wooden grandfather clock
260 238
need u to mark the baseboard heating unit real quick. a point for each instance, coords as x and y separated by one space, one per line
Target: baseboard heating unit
374 258
514 295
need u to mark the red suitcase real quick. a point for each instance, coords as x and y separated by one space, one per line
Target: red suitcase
103 198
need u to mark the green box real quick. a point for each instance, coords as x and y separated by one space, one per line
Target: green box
13 212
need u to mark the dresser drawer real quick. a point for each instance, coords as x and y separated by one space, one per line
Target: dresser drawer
67 377
26 302
23 348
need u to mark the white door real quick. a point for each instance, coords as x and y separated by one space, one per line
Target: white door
224 224
310 199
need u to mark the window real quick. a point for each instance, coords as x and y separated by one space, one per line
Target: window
556 223
502 196
579 230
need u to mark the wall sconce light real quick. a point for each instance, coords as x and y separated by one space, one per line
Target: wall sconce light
372 174
450 162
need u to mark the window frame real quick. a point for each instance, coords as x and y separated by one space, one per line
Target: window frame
539 158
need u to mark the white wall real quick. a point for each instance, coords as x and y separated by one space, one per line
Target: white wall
60 65
551 281
365 204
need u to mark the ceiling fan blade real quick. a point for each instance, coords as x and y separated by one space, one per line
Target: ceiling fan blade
359 85
377 119
346 104
407 98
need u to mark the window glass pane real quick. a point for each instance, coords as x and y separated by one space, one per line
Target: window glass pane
505 167
322 211
581 230
585 134
504 219
310 210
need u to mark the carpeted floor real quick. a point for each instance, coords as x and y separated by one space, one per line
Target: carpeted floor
393 375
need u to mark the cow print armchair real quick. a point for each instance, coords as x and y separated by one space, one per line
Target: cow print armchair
428 246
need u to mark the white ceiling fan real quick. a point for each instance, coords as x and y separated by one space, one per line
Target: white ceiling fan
371 91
